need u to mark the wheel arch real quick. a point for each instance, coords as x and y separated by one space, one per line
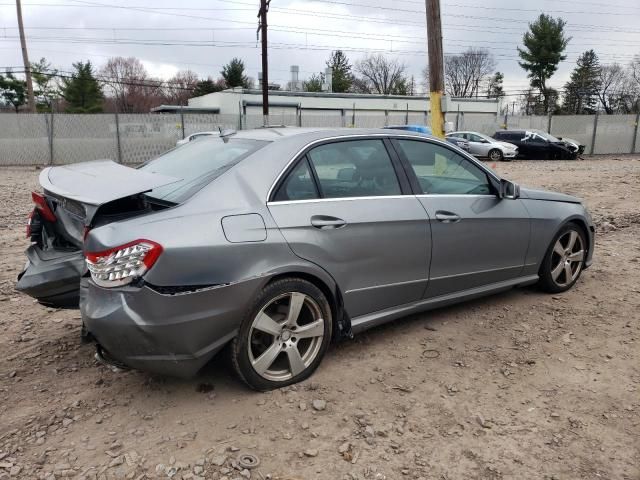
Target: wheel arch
582 224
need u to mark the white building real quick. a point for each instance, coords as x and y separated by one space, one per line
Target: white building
325 109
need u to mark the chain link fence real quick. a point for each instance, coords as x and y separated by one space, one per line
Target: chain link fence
47 139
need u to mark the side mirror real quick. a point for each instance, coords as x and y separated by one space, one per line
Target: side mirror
509 190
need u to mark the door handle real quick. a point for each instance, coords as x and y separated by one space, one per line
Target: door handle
447 217
324 222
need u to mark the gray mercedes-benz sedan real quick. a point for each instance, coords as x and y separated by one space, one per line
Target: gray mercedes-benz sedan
276 241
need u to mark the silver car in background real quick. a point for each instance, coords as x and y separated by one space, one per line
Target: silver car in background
484 146
276 241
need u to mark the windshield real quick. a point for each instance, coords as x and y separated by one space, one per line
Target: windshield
196 164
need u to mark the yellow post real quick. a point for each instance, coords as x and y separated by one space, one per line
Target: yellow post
437 117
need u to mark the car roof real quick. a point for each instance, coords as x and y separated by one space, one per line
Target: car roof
281 134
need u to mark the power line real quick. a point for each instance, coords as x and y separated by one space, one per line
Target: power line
314 13
276 45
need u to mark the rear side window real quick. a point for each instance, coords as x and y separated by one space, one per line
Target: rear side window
198 163
355 168
299 184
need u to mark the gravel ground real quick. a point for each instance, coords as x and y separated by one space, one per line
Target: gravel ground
519 385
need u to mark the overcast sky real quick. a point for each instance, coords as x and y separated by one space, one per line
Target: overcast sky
202 35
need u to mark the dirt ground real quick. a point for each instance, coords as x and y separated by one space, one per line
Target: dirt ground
520 385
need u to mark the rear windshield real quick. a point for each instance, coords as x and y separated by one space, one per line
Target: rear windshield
196 164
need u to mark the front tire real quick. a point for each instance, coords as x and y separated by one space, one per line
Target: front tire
564 260
283 336
496 155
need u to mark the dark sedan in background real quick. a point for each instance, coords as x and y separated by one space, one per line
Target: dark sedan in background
536 144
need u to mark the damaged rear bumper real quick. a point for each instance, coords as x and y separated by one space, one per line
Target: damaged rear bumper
52 277
168 334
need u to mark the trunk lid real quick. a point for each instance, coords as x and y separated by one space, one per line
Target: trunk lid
76 192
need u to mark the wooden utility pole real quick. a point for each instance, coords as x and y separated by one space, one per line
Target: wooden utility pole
436 66
262 28
31 102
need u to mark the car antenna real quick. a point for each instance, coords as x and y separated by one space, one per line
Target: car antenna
226 133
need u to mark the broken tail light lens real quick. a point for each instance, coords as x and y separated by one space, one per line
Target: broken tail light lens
43 207
121 265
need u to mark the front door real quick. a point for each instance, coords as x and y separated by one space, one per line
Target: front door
345 207
477 238
478 146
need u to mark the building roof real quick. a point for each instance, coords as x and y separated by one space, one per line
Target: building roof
181 109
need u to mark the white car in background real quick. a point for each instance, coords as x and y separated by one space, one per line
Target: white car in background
193 136
481 145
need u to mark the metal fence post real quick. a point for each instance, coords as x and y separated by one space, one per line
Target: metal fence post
593 136
635 133
549 123
506 119
406 116
353 116
118 138
51 139
182 121
386 118
343 117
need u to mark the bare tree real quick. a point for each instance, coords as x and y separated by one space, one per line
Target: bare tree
465 74
612 82
379 74
180 87
133 89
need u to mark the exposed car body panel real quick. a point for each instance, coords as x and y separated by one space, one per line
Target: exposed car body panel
52 276
170 334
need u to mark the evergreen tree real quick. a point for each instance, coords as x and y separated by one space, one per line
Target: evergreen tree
233 74
581 91
543 46
342 78
495 88
82 91
314 84
204 87
13 91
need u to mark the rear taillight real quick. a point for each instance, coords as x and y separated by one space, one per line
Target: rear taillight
43 207
120 265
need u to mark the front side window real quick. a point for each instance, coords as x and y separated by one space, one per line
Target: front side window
442 171
354 168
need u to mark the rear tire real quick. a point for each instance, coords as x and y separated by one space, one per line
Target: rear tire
564 260
284 335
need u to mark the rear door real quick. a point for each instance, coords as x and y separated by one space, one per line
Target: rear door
346 206
477 238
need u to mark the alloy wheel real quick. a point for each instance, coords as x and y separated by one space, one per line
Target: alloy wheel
286 336
567 258
495 155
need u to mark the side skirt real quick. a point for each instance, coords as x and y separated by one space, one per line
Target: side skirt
371 320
